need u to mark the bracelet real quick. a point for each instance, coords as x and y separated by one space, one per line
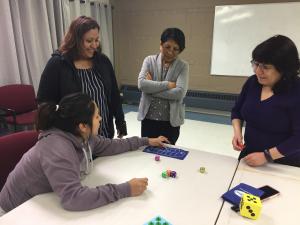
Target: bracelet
268 155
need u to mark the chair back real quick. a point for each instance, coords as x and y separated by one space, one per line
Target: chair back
12 148
18 97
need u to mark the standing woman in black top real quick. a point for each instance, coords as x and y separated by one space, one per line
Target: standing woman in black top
79 66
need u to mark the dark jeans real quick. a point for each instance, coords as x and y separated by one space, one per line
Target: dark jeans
154 128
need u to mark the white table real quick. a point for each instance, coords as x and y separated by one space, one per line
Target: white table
281 210
192 198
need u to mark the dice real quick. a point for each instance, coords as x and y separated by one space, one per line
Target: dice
250 206
202 169
173 174
169 173
157 158
164 174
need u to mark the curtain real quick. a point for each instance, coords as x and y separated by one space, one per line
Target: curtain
9 68
30 30
102 12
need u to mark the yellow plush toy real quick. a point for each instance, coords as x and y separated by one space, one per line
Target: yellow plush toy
250 206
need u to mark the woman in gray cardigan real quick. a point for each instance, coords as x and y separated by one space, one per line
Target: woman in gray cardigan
163 81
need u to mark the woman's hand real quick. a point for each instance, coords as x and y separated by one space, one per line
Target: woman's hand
159 141
121 130
120 135
171 85
255 159
237 142
138 186
148 76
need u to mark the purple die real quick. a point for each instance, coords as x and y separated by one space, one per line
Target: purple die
173 174
157 158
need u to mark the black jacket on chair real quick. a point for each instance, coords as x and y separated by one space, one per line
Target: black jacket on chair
59 79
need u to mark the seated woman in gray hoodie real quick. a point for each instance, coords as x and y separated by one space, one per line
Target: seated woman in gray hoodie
63 156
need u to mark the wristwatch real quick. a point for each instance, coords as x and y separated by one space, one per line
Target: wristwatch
268 155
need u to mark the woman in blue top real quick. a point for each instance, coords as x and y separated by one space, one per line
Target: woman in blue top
269 103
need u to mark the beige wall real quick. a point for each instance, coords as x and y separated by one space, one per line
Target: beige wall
137 28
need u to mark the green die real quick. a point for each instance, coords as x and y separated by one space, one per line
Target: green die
164 174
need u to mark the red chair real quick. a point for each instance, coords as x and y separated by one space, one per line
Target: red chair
19 104
12 148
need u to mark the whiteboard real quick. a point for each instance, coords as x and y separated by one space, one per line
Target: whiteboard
238 29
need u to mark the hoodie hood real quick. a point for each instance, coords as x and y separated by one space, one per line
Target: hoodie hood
76 141
83 149
57 53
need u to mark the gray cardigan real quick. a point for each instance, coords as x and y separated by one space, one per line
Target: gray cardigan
178 72
53 164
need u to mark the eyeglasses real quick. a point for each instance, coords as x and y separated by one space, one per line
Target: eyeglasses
169 48
261 66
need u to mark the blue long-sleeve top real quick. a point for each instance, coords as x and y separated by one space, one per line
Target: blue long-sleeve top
273 122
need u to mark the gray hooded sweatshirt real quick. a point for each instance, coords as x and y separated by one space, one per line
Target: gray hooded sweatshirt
57 163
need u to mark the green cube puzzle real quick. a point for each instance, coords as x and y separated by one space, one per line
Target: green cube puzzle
158 220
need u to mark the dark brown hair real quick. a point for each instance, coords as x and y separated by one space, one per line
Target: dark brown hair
174 34
72 110
72 41
281 52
